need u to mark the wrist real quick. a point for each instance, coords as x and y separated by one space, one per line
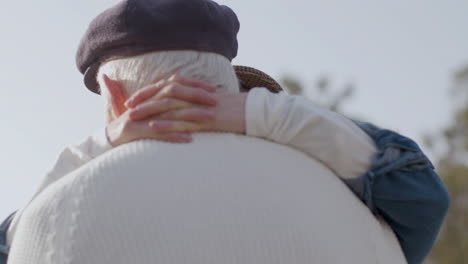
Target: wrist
239 118
230 113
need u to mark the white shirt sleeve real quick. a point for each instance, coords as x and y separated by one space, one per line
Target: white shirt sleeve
69 159
74 156
320 133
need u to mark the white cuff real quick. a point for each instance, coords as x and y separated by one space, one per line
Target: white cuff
256 113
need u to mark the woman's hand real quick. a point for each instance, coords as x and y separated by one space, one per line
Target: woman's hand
168 111
181 105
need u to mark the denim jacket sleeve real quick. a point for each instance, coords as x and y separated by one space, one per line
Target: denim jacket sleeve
4 249
402 186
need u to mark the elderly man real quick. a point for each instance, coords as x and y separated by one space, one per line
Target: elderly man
157 202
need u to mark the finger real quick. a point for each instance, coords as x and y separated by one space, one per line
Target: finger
189 94
156 107
193 83
141 130
145 93
174 137
149 91
189 114
166 126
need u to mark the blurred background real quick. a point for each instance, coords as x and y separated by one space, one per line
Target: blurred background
400 64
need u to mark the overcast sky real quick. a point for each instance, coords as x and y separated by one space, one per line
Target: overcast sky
400 54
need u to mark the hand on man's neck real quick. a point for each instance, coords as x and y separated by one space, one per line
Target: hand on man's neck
118 98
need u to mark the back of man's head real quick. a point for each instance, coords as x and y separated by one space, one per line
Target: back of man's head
135 27
136 72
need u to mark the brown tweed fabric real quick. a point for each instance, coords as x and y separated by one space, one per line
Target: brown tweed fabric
250 78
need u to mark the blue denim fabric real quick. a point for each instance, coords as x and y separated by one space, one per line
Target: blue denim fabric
3 239
402 186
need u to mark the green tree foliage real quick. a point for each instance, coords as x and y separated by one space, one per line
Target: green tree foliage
452 245
323 91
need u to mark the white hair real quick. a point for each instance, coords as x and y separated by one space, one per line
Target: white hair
139 71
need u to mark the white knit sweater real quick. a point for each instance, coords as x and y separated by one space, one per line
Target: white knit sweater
73 206
222 199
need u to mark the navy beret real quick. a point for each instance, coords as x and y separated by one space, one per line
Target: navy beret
135 27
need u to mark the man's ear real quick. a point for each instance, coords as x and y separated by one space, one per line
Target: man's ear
117 94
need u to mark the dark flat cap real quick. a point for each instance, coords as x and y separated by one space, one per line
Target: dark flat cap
135 27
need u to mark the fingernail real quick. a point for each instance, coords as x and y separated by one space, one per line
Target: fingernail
159 125
133 114
185 137
213 99
129 103
210 115
213 88
173 77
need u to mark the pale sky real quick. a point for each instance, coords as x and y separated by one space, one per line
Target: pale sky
400 54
